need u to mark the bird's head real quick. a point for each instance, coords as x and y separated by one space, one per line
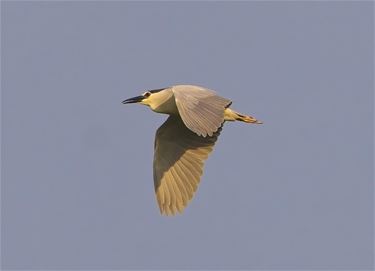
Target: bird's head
142 99
150 98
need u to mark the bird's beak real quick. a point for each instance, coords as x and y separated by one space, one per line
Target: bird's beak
133 100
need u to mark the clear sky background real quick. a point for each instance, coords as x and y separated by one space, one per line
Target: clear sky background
294 193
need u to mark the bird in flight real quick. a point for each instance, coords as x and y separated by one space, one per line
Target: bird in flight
184 141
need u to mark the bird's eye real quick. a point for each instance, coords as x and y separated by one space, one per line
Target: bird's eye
147 94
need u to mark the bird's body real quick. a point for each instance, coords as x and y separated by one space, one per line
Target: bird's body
184 141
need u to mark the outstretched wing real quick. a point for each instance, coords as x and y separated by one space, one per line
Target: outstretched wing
201 109
178 164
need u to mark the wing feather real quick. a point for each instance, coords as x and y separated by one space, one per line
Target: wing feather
178 164
190 188
183 192
201 109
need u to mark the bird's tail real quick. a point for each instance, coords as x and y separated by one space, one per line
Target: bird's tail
231 115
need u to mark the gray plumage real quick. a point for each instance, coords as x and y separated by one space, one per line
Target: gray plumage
201 110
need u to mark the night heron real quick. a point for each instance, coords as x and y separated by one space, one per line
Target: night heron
186 138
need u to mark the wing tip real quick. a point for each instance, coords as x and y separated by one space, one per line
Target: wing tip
170 210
